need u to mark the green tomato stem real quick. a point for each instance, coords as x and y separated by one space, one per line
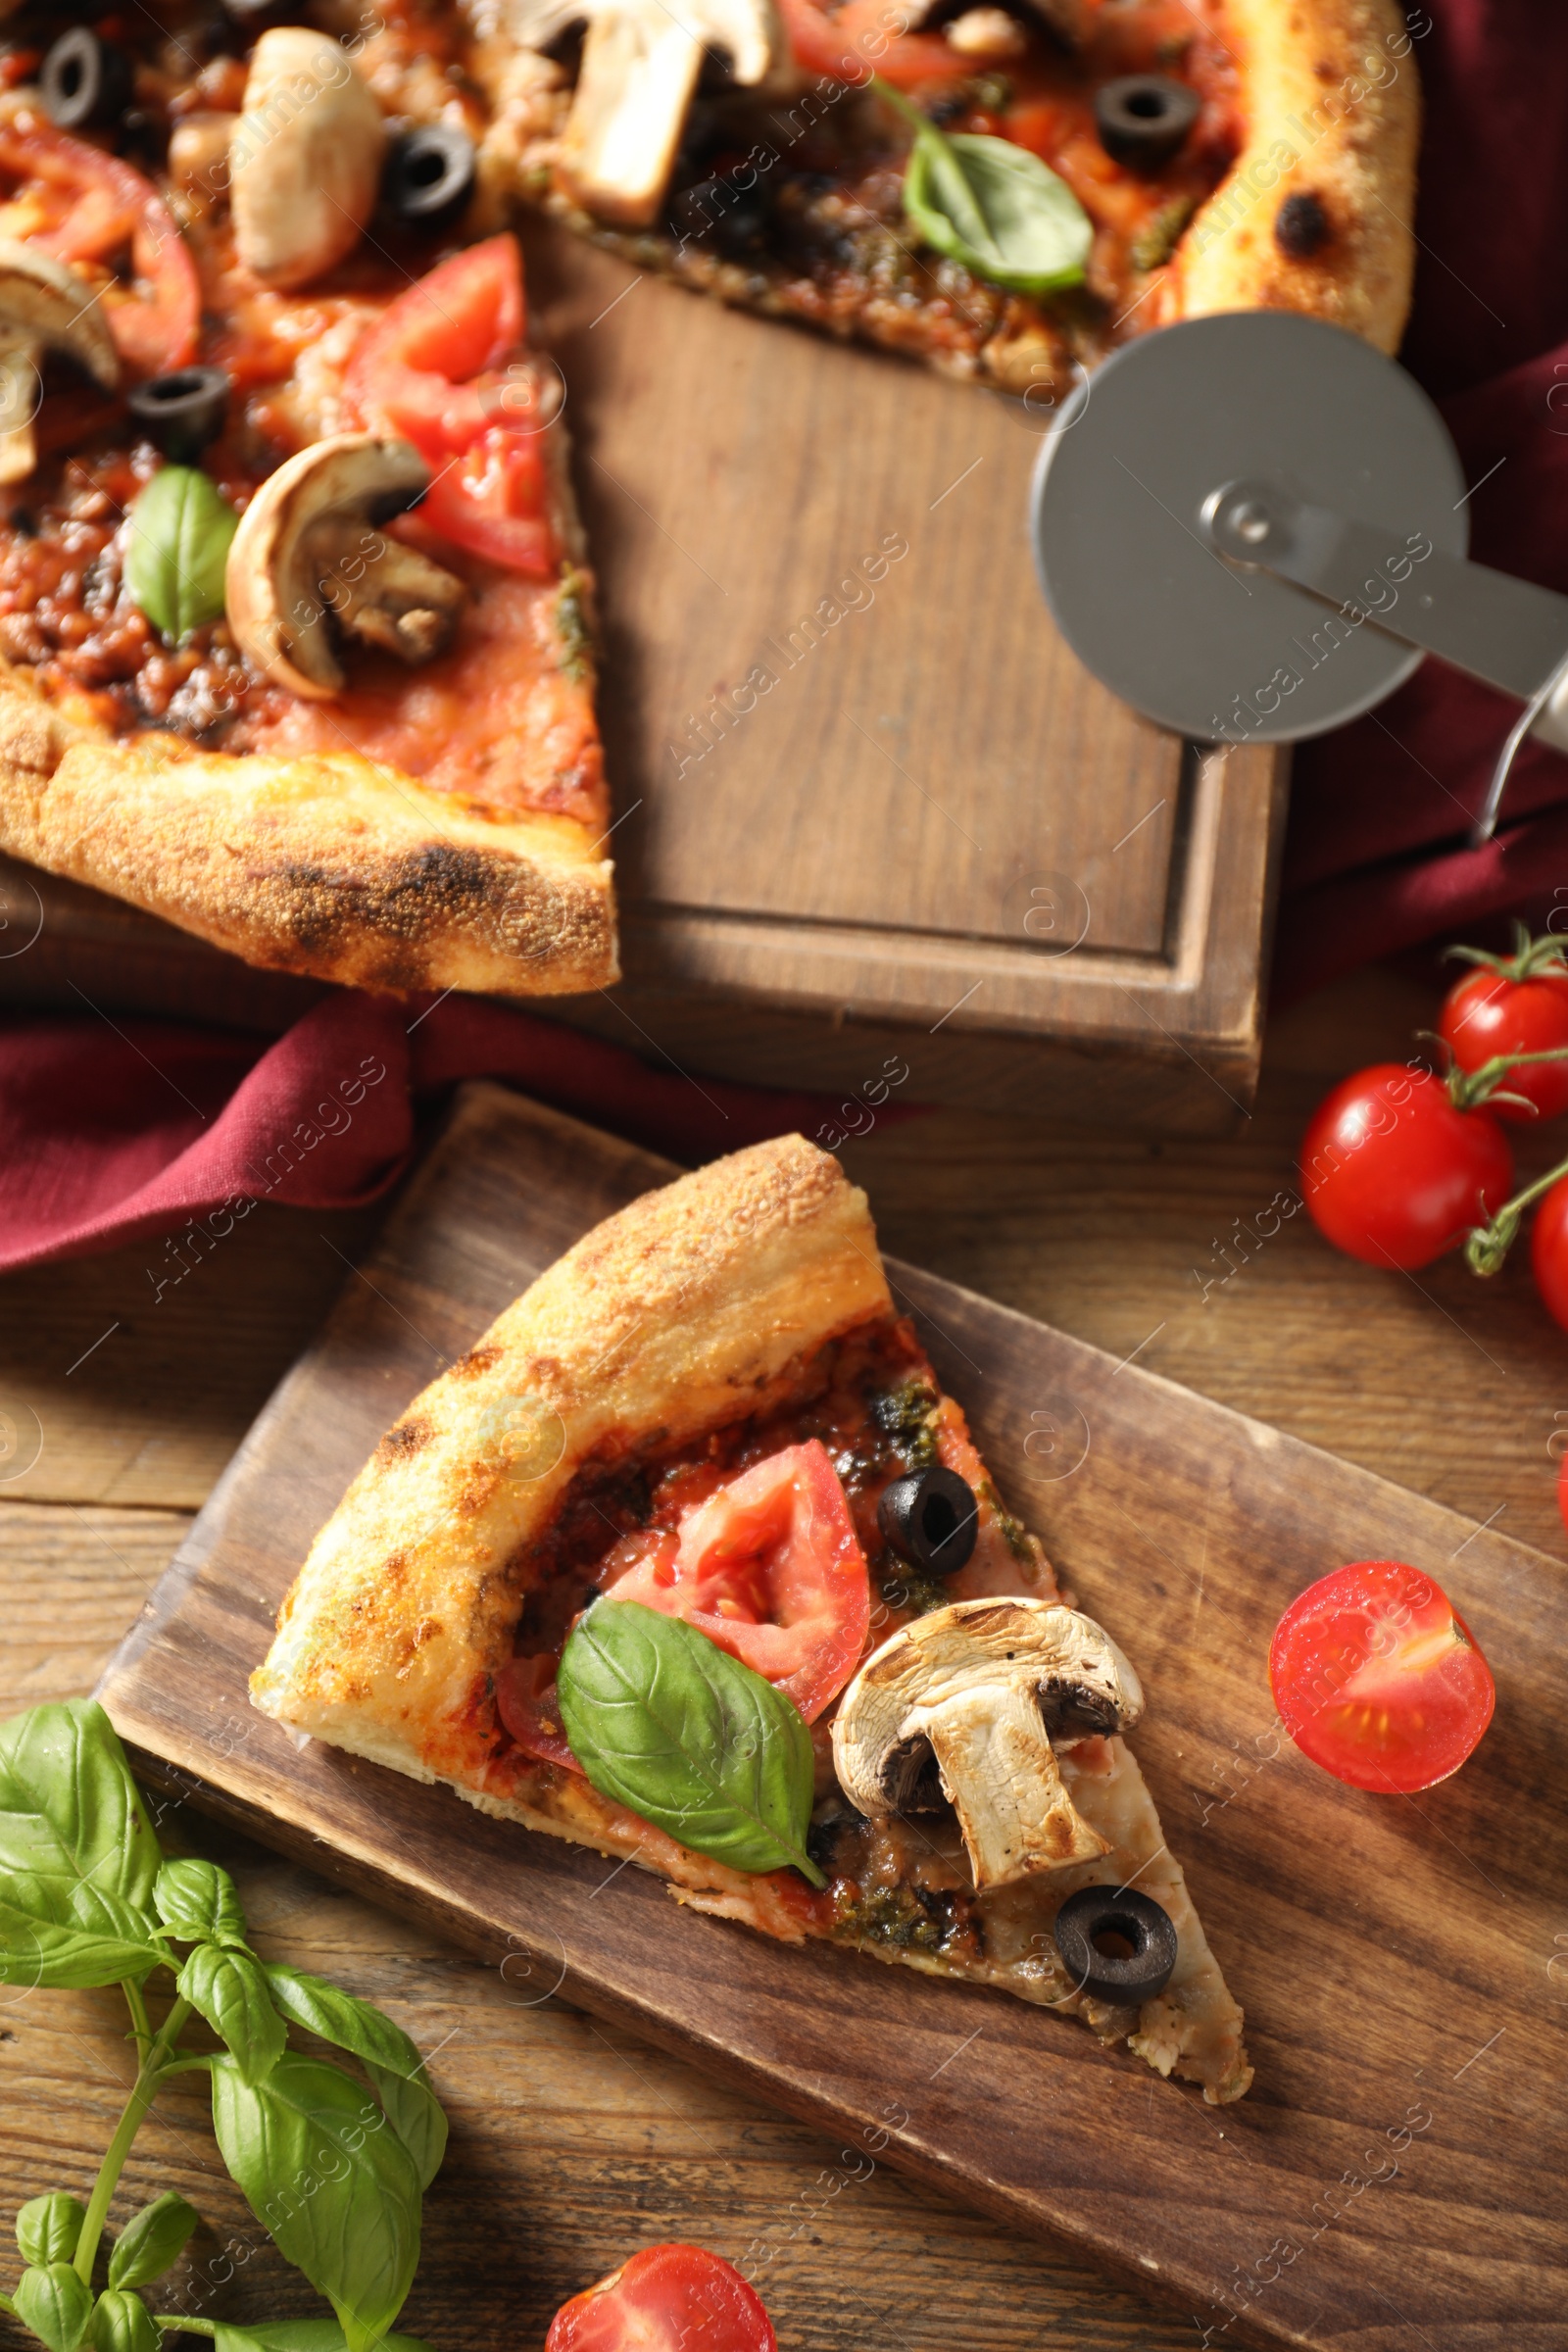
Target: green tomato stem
1469 1090
1530 959
144 2090
1486 1246
142 2024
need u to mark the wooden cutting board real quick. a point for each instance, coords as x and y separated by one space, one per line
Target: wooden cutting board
865 799
1394 2180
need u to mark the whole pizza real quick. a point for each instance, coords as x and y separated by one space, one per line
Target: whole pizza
297 638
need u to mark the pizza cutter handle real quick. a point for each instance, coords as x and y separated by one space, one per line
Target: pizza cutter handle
1503 630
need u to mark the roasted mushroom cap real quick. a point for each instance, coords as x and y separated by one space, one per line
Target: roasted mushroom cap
964 1704
304 158
307 546
640 64
44 306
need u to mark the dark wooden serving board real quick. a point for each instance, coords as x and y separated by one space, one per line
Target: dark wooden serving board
1394 2178
931 832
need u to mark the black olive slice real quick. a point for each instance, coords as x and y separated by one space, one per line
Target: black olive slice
1127 1977
1143 118
429 171
182 412
929 1519
87 82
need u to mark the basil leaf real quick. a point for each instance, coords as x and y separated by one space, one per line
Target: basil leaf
78 1854
152 2240
301 2335
49 2228
176 548
229 1989
320 2170
55 2305
200 1903
389 2058
996 209
663 1721
122 2322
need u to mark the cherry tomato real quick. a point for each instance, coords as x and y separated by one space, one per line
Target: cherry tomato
769 1567
1394 1174
856 41
1378 1678
1488 1013
89 207
1549 1251
671 2298
527 1705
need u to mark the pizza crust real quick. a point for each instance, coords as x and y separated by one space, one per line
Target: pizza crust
328 866
1315 214
688 1310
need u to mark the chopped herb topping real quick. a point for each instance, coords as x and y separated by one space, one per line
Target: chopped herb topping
1155 242
908 1414
571 620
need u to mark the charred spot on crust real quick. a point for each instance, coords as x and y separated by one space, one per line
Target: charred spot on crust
399 1445
411 895
1301 227
478 1359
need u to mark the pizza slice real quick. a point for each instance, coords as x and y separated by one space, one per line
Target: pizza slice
706 1431
296 622
1199 156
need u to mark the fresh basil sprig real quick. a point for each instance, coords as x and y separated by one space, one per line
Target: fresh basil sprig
178 530
992 205
665 1722
336 2175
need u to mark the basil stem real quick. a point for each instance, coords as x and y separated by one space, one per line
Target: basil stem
179 528
992 205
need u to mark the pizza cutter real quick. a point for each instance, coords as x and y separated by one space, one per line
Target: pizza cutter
1253 527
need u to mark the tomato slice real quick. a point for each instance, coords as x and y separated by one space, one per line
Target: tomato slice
429 371
530 1709
769 1567
89 207
671 2298
856 41
1378 1678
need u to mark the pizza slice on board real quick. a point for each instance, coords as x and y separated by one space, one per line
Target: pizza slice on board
296 620
1199 156
709 1411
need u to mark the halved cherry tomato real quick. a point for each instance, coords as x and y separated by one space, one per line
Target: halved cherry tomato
1488 1013
430 372
528 1707
1378 1678
90 206
849 45
1395 1175
671 2298
770 1568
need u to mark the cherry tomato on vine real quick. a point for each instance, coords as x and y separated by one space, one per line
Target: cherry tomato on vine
1489 1012
1395 1175
1378 1678
1549 1251
671 2298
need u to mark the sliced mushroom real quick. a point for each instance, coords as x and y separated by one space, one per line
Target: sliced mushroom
308 546
640 64
990 36
1068 19
305 160
964 1704
44 306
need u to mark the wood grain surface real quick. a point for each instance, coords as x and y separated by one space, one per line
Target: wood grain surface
572 2146
1395 2169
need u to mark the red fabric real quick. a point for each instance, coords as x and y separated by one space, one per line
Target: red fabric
1376 858
110 1133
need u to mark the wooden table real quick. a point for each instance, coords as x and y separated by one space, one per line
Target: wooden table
570 2146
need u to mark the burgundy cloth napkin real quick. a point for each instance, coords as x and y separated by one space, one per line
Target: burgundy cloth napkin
110 1133
1376 856
106 1134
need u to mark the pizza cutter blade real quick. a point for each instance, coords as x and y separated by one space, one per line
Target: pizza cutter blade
1252 527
